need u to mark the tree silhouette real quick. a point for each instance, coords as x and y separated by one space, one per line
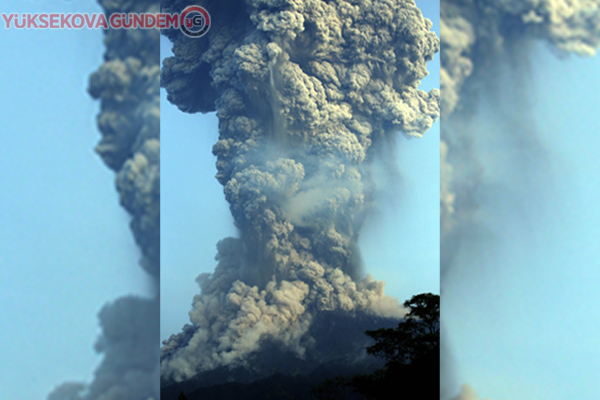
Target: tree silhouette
336 388
415 338
411 351
182 396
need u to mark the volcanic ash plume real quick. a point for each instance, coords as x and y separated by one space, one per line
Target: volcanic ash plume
305 92
127 84
477 37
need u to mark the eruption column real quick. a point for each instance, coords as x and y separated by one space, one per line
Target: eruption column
306 93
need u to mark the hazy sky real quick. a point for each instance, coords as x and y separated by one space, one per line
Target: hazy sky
399 243
525 320
65 245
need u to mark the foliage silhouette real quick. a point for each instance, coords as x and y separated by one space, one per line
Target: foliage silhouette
412 354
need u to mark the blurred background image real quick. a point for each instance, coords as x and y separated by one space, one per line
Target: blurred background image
74 298
519 221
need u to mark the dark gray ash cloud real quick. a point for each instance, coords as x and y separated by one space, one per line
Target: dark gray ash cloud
307 93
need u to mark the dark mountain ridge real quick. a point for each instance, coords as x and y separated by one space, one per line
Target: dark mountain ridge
278 374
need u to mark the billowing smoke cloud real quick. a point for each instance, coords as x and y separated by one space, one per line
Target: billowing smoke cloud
481 41
127 85
307 94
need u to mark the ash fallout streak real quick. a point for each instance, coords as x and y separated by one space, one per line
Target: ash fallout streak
480 39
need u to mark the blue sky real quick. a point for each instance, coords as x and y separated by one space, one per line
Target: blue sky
66 249
524 321
399 243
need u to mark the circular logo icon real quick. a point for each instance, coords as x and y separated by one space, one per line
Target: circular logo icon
194 21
